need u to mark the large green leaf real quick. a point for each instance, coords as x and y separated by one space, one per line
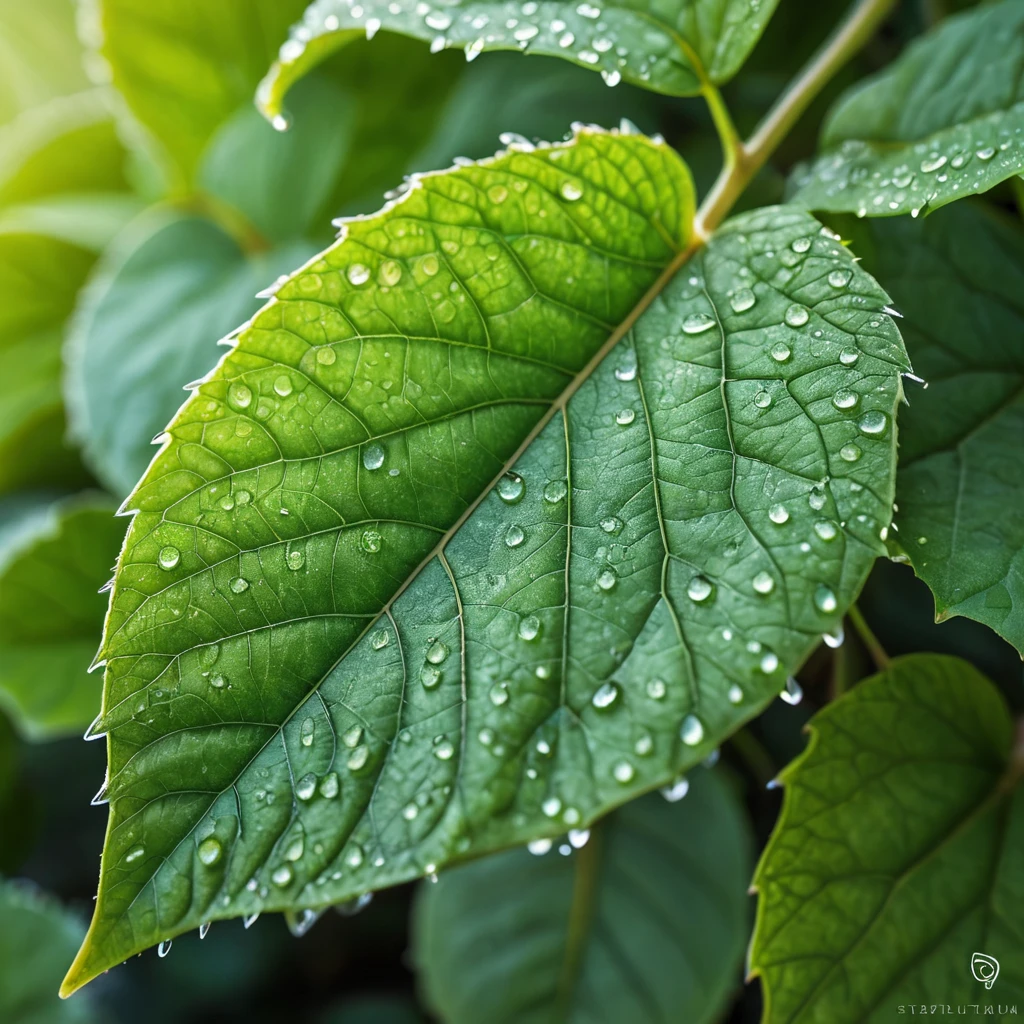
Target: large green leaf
597 935
351 635
54 558
39 54
148 325
36 937
899 853
185 66
671 46
944 121
959 279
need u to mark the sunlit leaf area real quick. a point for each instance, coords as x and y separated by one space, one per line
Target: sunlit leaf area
511 511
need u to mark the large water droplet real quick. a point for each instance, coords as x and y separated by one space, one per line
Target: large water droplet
763 583
209 851
514 536
607 579
358 758
624 417
511 488
437 652
825 600
844 399
623 772
797 315
373 456
605 696
778 514
169 557
330 786
555 491
699 589
698 323
306 787
358 274
691 732
281 876
499 694
850 453
239 585
840 278
873 422
571 191
735 694
164 948
529 628
656 689
793 693
780 352
762 399
677 790
742 300
371 541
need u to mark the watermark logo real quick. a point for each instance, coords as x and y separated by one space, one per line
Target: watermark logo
985 969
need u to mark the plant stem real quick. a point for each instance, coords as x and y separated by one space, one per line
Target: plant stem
732 144
755 755
749 157
868 638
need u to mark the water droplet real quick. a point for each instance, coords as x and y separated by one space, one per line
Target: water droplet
514 536
778 514
307 732
351 737
873 423
578 837
239 585
373 456
607 579
217 681
797 316
306 786
371 541
793 693
326 356
933 163
283 385
555 491
656 689
605 696
735 694
295 559
294 849
801 244
844 399
430 676
835 638
511 488
699 589
691 732
675 792
240 395
623 772
209 851
698 323
840 278
330 786
825 600
486 736
769 663
379 639
551 806
358 758
986 153
390 273
763 583
204 929
499 694
281 876
437 652
762 399
780 352
538 847
742 300
358 274
529 628
409 812
624 417
571 191
850 453
169 557
164 948
354 856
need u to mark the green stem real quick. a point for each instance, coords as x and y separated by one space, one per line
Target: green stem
860 24
755 755
868 638
732 144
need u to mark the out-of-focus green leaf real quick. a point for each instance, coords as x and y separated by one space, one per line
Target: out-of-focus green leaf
148 325
647 922
944 121
898 855
185 66
40 56
673 48
959 280
53 561
445 516
36 937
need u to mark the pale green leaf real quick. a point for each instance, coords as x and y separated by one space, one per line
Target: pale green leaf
674 47
40 57
646 923
36 937
54 558
148 325
185 66
959 280
945 120
345 629
898 855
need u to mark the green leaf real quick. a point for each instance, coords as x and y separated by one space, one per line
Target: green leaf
36 937
54 558
945 120
185 66
898 853
676 49
148 325
959 280
348 617
40 57
598 935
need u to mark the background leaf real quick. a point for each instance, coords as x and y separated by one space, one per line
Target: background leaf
364 415
943 121
36 938
673 49
53 560
170 289
646 923
959 279
897 854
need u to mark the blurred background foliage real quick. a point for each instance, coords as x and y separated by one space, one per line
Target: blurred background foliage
143 204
